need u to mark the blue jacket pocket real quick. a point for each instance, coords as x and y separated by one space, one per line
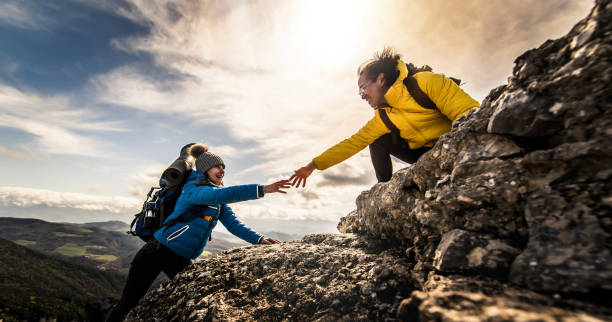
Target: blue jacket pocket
177 233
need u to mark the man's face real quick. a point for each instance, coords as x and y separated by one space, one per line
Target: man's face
372 91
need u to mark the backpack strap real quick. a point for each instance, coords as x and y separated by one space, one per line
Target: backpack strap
419 96
395 133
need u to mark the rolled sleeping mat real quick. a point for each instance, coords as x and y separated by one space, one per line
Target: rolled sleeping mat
176 172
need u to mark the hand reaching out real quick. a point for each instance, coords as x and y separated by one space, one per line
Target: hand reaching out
300 175
277 186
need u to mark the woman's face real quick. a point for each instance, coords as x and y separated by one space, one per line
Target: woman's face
372 91
215 174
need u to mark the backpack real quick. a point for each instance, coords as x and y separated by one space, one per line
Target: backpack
419 96
160 201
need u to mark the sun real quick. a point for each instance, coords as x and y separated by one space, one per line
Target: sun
329 30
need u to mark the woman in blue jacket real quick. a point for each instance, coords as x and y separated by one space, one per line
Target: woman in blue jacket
201 204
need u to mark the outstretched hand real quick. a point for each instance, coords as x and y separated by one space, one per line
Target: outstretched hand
300 175
277 186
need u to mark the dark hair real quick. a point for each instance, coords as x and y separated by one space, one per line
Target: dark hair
385 62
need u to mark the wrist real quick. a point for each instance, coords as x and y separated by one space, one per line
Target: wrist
311 166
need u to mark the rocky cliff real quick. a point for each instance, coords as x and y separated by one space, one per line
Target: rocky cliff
508 217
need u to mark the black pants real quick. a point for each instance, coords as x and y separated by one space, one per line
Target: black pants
381 151
150 260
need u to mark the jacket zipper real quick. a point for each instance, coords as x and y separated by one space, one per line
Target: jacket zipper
177 233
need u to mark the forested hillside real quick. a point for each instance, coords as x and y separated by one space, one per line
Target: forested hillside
35 286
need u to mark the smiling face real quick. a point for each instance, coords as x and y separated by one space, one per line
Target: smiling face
216 174
372 91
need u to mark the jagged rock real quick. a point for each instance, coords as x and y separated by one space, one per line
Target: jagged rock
461 298
519 190
464 251
321 277
532 166
566 250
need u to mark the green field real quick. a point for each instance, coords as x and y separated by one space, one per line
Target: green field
25 243
74 250
78 229
61 234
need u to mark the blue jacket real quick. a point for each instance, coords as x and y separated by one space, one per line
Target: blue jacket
188 238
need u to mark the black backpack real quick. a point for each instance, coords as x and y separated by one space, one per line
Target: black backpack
419 96
160 201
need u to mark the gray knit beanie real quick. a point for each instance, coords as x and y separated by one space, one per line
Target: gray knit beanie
207 160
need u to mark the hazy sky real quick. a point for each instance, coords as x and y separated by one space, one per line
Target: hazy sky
98 97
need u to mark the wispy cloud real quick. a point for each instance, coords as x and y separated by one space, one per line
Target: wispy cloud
146 177
227 151
97 189
18 14
57 126
279 76
161 140
272 76
26 197
15 154
355 173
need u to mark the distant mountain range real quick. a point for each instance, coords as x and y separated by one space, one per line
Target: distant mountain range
104 245
34 287
113 225
89 246
68 271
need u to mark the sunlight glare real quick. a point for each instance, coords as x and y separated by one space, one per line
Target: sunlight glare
327 31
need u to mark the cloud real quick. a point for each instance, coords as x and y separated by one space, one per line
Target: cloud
353 173
18 14
9 67
226 151
260 93
267 74
268 210
146 177
57 126
161 140
14 154
97 189
309 195
27 197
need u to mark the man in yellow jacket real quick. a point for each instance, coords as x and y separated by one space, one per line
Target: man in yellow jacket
381 84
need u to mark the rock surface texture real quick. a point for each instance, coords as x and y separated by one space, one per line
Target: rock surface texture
507 218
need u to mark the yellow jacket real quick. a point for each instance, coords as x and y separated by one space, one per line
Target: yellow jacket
418 126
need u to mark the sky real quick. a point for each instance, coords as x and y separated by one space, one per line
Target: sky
98 96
